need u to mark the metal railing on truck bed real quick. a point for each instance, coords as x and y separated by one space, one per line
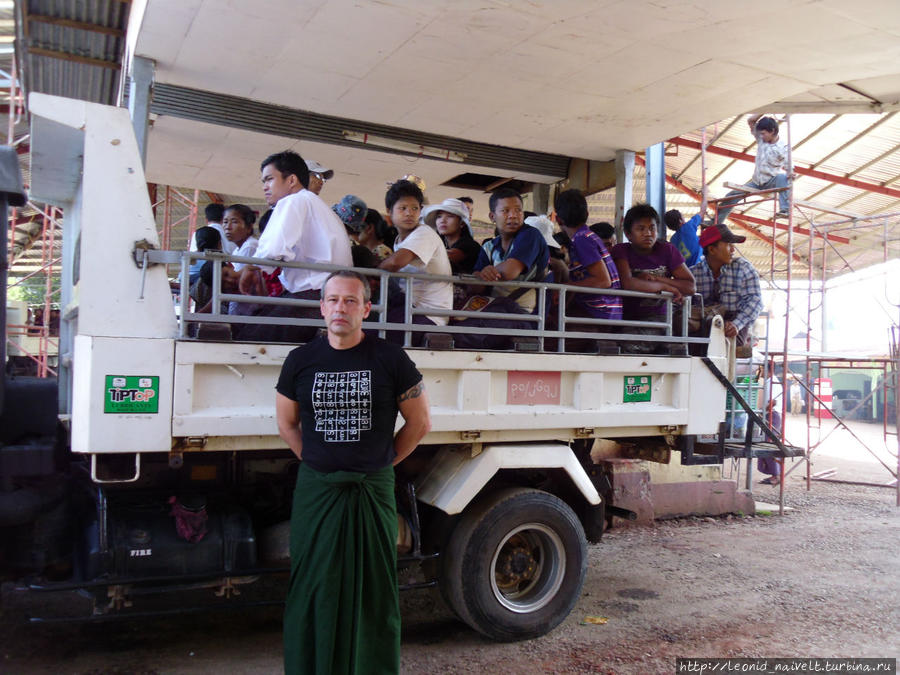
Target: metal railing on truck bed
541 331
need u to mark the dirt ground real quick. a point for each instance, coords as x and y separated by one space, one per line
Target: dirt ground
824 580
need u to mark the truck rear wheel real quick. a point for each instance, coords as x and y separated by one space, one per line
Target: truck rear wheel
515 564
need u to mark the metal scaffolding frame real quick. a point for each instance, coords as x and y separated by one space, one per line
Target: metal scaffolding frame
48 343
888 385
824 232
50 218
170 197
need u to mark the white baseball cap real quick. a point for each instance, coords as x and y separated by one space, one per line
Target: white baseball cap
545 226
452 206
315 167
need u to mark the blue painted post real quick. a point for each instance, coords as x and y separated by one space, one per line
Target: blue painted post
656 183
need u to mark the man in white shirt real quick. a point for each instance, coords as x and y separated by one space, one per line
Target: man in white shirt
214 213
302 228
417 249
318 174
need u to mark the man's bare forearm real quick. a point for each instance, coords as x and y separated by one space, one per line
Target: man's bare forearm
684 286
408 437
287 416
294 439
413 404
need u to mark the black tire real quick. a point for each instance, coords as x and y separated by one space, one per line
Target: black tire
515 564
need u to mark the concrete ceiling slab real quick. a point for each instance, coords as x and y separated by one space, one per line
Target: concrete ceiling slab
578 77
222 160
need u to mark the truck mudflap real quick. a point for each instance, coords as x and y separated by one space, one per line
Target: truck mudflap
459 473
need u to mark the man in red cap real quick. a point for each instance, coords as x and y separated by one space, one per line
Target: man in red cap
729 285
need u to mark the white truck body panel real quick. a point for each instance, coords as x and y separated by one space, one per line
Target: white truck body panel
226 390
106 203
457 476
99 361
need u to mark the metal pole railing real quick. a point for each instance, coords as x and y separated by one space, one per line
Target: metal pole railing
408 326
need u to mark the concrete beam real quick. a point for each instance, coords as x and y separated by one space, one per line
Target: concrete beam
540 198
590 176
655 165
624 187
139 97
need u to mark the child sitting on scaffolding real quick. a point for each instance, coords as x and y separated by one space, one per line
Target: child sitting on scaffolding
770 170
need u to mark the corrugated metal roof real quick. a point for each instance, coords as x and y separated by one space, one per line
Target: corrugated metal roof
65 51
7 55
72 80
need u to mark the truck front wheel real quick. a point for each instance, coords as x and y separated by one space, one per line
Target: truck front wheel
515 564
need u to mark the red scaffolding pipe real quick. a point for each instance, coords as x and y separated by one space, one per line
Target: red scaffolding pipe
797 230
678 185
173 195
812 173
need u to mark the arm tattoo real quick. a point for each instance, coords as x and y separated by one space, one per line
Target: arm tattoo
414 391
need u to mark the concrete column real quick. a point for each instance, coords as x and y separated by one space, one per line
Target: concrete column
624 184
656 183
540 198
139 97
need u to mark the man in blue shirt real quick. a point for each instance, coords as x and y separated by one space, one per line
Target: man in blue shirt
685 237
518 253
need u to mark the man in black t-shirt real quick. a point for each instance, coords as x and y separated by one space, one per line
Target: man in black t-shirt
336 407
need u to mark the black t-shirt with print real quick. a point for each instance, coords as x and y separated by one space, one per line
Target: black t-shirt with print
348 401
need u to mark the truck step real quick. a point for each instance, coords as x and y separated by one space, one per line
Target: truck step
762 450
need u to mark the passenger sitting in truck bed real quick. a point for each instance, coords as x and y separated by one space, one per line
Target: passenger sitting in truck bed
518 253
352 211
564 242
205 239
213 213
590 264
649 265
264 220
451 220
606 232
238 225
372 235
201 292
685 235
558 267
557 270
302 229
729 285
417 249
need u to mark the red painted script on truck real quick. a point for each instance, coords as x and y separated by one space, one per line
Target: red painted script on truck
531 387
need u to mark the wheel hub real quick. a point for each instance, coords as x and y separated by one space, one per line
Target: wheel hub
528 568
514 565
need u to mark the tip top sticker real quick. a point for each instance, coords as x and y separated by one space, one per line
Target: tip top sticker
637 388
131 394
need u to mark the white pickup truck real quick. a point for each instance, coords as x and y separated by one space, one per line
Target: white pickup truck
497 503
